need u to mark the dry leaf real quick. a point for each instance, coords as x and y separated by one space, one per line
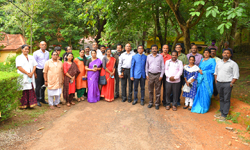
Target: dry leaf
40 129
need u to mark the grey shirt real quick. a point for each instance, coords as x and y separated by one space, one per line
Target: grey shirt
155 64
226 71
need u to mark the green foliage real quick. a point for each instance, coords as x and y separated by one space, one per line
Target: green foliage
9 65
9 94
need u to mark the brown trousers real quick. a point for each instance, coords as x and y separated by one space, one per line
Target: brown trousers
154 83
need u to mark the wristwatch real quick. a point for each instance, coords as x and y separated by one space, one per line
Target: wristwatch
231 84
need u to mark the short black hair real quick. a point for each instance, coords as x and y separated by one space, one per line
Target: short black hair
68 55
23 46
108 49
93 51
66 48
193 43
191 57
57 48
207 50
212 49
53 53
154 45
229 49
102 46
178 44
87 47
147 50
213 40
139 46
174 51
119 45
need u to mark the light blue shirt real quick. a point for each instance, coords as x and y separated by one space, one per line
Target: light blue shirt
138 65
41 57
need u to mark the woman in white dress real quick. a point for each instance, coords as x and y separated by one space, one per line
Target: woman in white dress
26 66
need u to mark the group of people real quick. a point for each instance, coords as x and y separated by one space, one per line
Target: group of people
96 74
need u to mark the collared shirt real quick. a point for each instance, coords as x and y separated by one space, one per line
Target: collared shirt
197 56
125 61
116 56
217 59
55 74
165 58
173 69
41 57
182 57
138 64
101 56
88 56
155 64
226 71
211 46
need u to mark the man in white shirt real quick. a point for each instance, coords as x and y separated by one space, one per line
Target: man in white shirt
124 72
95 47
226 74
217 59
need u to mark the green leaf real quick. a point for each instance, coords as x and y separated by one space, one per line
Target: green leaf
213 13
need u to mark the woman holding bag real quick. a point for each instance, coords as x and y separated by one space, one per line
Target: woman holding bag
81 80
190 76
93 67
108 71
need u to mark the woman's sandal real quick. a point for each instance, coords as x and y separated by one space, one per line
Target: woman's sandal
72 103
82 98
78 99
58 106
68 104
185 107
189 108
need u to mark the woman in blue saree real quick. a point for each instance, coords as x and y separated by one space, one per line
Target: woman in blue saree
93 66
205 80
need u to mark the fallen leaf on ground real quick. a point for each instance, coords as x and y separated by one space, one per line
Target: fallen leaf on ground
229 128
229 143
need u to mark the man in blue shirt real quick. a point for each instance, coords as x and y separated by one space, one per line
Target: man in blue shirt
138 74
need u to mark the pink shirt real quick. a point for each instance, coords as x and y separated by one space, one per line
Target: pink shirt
173 69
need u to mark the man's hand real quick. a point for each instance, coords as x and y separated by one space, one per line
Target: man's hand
35 75
147 77
46 83
160 78
172 78
132 78
29 75
120 76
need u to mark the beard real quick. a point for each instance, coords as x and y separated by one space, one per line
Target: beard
225 57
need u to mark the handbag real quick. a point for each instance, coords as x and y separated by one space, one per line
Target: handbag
102 80
187 88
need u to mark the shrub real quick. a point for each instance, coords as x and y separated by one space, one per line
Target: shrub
9 93
9 65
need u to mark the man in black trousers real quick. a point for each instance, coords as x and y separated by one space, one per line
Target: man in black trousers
117 54
41 56
124 72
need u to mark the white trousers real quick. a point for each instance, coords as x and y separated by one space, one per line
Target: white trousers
189 100
51 100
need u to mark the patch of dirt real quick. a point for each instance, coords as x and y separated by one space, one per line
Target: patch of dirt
118 125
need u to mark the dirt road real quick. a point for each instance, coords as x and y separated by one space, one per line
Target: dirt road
117 126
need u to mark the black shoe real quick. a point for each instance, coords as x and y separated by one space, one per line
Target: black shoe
157 107
124 100
129 101
39 104
164 104
185 107
44 102
134 102
117 96
178 104
150 105
142 103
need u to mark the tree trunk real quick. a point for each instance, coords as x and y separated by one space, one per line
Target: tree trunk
158 26
100 27
31 33
144 33
176 40
234 27
187 44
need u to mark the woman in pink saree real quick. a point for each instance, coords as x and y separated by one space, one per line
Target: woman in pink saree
93 67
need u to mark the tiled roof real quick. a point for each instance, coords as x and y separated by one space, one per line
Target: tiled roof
12 42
